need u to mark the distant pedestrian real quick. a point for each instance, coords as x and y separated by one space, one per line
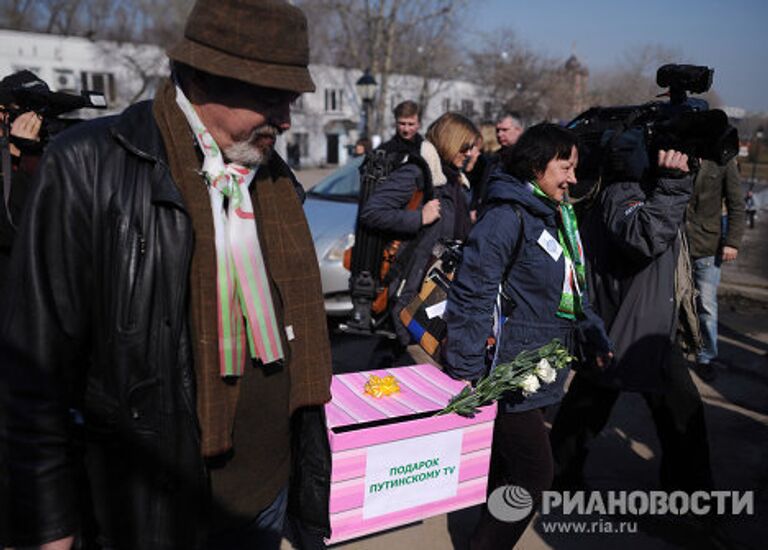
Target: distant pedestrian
362 147
751 209
713 239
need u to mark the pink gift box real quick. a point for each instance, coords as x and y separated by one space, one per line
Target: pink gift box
393 461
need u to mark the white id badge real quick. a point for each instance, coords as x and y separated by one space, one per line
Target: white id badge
550 245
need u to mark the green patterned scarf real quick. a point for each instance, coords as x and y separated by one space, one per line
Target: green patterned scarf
574 282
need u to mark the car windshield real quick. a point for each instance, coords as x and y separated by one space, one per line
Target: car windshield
341 185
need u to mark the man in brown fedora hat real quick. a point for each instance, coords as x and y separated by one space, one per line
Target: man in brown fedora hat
162 332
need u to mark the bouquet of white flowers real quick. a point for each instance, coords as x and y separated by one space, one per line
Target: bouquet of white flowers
525 372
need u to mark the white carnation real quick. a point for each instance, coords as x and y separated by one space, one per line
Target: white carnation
530 384
545 371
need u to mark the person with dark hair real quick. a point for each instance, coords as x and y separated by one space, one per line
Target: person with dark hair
407 140
162 334
525 250
440 211
362 147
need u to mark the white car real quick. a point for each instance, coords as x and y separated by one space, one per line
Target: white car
331 210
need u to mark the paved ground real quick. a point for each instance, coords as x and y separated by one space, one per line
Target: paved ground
310 177
626 455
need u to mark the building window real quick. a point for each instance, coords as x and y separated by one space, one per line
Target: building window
467 107
446 104
334 100
100 82
488 110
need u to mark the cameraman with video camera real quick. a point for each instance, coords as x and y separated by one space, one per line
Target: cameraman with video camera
28 119
640 281
20 152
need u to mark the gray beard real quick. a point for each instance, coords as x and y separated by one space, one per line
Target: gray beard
247 154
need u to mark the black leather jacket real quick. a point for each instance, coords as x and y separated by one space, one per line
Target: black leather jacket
96 348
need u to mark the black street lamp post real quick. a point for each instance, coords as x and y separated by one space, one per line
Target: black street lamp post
366 91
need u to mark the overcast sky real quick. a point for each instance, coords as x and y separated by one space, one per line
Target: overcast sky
730 36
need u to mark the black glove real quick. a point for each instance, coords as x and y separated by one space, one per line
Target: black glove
625 155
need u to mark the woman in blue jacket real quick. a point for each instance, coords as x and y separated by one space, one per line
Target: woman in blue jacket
526 249
443 212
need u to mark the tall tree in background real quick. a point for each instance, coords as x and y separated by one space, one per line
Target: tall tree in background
418 37
152 21
517 78
122 27
429 39
633 80
17 14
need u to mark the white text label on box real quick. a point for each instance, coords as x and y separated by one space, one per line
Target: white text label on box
410 472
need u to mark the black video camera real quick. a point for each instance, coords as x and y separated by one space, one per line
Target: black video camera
618 143
22 92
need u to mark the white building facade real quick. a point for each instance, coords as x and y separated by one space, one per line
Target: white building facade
124 73
325 124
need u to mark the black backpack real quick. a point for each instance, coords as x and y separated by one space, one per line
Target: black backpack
368 253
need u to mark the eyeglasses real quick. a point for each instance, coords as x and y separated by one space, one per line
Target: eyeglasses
466 148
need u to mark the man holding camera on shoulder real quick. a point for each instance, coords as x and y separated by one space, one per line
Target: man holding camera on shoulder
639 278
19 157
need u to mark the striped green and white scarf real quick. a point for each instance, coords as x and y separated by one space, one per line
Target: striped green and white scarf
574 282
245 307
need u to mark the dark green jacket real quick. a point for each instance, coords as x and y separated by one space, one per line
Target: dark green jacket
713 184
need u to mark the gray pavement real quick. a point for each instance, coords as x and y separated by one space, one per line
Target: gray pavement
626 454
310 176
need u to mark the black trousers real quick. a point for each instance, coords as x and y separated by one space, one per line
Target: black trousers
520 456
678 414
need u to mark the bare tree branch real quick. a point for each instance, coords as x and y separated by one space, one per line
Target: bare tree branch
388 37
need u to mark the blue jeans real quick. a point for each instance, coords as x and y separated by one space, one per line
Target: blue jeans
706 275
264 532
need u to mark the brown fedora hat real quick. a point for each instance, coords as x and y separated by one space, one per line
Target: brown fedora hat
261 42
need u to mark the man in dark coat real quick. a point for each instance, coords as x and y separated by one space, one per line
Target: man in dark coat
710 246
637 259
163 332
407 139
509 128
